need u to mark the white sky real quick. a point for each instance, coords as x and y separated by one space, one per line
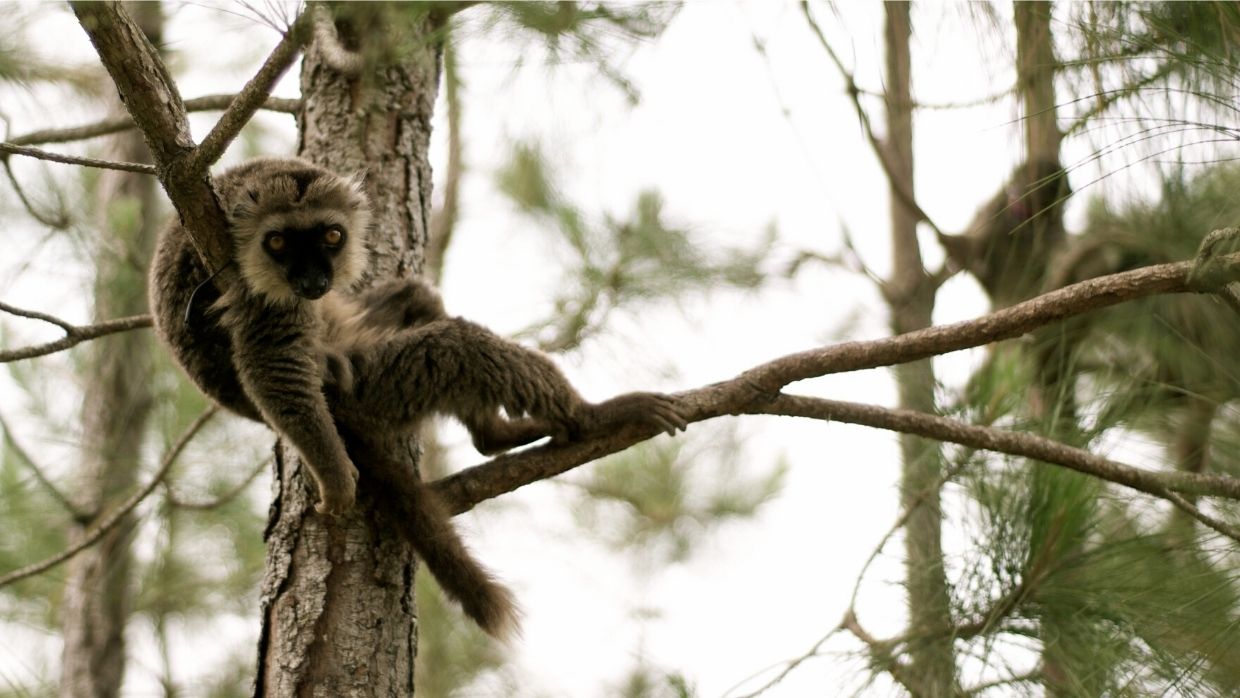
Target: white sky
711 134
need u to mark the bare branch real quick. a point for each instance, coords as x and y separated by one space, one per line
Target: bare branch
758 387
880 654
251 97
1027 677
59 221
153 101
791 665
124 123
37 470
1157 483
108 522
76 334
1192 510
880 150
36 315
28 151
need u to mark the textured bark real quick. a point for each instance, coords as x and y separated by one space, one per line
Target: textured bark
911 299
337 598
114 410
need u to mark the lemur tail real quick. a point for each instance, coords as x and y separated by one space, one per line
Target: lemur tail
425 523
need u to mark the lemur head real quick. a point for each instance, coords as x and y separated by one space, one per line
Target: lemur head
298 230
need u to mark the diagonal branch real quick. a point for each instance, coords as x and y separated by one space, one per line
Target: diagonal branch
154 102
252 96
108 522
37 470
879 148
758 389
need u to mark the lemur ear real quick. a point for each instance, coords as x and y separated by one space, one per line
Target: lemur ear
357 184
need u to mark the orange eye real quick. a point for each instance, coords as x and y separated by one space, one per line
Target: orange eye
332 236
275 242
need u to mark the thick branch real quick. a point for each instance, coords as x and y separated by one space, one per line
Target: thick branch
154 103
757 389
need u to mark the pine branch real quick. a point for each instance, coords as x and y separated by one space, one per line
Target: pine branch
108 522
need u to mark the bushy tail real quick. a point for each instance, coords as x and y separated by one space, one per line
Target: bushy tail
425 523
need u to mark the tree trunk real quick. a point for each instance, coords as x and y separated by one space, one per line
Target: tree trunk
114 410
337 598
911 299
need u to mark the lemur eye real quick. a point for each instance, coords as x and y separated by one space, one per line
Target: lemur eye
333 236
274 242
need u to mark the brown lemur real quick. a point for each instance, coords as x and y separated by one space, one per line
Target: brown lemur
343 373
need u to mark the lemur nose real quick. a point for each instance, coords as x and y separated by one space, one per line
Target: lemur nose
311 287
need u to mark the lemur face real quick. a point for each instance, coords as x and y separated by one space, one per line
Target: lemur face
298 230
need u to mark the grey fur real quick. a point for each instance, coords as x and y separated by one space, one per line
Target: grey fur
339 373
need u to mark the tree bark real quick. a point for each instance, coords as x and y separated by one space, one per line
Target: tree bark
911 301
337 598
114 411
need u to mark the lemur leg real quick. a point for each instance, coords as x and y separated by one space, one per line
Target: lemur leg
493 433
453 366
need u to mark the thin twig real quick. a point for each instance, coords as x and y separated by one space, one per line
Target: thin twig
175 501
35 468
36 315
108 522
791 665
880 151
76 335
28 151
1192 510
124 123
880 654
58 222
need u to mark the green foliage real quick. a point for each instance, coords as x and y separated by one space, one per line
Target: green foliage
452 654
1121 609
584 32
632 262
1169 49
1156 356
646 682
28 516
1124 597
663 495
